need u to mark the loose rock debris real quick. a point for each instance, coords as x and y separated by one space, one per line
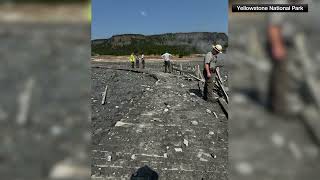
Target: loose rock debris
155 123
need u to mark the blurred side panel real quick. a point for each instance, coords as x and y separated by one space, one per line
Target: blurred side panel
264 144
44 77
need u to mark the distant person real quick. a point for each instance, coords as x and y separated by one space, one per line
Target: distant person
166 57
143 61
211 66
137 60
132 60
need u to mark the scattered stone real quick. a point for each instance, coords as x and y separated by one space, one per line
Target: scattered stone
213 156
239 98
201 154
178 149
192 94
185 142
277 139
98 131
56 130
133 157
109 158
166 110
122 124
165 155
244 168
69 170
194 123
211 133
208 111
117 107
147 114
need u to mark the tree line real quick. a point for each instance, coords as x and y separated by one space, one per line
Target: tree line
148 48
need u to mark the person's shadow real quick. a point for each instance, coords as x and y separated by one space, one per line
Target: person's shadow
145 173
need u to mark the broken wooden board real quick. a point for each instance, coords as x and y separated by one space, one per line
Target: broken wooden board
222 87
104 94
224 106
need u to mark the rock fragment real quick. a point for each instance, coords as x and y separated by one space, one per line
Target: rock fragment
69 170
194 123
185 142
244 168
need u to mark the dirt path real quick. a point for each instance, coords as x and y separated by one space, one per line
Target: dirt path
171 130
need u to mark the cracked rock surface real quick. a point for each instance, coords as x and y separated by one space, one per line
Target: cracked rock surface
155 126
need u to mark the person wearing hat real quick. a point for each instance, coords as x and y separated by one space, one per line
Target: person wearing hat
211 61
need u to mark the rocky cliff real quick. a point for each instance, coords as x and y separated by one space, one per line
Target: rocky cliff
175 43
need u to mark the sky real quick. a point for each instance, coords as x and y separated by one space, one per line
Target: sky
113 17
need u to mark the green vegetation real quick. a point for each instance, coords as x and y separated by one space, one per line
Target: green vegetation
147 47
179 44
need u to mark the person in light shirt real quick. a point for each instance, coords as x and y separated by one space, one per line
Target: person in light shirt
166 57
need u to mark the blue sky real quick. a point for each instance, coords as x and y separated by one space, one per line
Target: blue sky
111 17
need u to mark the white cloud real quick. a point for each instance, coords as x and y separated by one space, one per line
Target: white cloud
143 13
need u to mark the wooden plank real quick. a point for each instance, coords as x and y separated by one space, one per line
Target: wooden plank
104 94
190 75
224 106
184 71
222 86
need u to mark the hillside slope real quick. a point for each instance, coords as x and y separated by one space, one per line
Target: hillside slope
175 43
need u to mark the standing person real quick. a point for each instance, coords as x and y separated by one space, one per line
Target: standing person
142 60
280 34
166 57
137 60
211 61
132 59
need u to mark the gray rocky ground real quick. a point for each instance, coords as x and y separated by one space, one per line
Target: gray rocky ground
44 112
159 121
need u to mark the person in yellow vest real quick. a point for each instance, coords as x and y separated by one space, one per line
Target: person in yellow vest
132 60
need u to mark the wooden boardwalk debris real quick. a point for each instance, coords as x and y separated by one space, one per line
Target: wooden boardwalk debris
224 106
104 94
24 102
220 84
194 77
